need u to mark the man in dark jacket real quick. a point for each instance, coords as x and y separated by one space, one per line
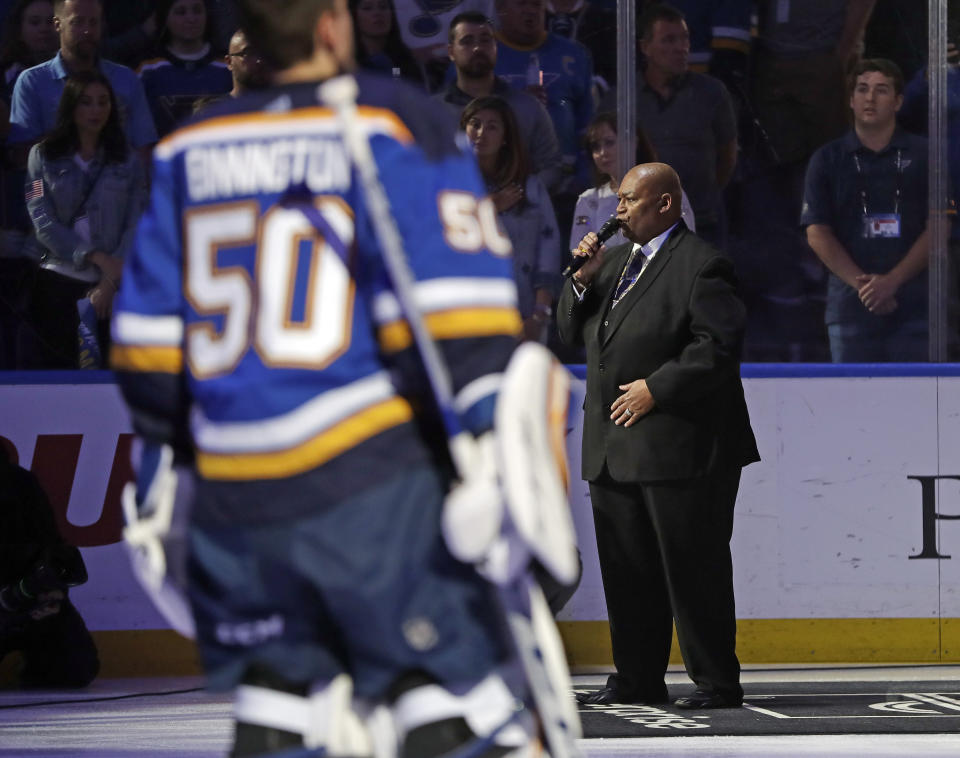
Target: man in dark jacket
36 567
666 433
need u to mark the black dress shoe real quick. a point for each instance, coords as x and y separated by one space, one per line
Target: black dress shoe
610 696
699 699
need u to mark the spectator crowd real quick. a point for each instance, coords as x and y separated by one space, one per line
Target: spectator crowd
796 128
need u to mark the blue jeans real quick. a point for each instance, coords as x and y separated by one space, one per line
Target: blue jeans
906 342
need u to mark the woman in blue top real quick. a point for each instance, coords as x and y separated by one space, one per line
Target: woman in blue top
523 206
186 68
85 192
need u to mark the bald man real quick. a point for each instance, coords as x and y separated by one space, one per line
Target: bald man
665 435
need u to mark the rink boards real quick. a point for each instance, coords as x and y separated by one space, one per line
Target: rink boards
846 545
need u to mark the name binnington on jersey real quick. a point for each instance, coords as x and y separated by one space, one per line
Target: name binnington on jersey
266 166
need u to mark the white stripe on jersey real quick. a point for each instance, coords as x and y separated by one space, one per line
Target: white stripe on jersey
136 329
476 391
295 426
732 32
261 130
262 127
448 293
152 65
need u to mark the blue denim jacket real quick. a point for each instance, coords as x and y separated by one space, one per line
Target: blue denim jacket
113 206
537 248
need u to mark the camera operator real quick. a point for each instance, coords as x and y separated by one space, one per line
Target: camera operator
36 569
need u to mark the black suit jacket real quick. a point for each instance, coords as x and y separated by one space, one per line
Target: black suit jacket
680 328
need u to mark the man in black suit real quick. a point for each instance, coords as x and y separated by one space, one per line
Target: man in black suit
665 436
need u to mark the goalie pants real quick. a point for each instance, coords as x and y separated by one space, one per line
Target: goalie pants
364 586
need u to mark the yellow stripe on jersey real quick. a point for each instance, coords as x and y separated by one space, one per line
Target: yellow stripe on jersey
726 43
296 460
469 322
166 360
152 63
558 395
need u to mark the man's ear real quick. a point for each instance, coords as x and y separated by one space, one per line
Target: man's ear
666 202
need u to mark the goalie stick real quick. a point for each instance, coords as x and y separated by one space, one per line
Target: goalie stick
534 636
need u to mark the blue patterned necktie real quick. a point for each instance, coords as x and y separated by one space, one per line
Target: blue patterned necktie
630 274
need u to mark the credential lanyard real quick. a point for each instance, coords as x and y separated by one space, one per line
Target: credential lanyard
863 185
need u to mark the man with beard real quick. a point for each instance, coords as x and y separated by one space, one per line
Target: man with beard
247 65
36 95
473 49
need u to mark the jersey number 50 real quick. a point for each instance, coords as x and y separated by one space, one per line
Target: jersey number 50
259 311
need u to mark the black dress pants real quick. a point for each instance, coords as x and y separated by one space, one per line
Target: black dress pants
48 339
664 550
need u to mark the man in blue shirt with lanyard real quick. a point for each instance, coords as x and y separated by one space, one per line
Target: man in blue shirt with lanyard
865 212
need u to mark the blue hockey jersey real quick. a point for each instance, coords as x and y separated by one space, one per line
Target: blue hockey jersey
567 76
276 329
173 86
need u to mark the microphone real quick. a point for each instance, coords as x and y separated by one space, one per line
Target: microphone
605 232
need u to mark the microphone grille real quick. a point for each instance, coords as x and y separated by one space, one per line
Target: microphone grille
609 228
